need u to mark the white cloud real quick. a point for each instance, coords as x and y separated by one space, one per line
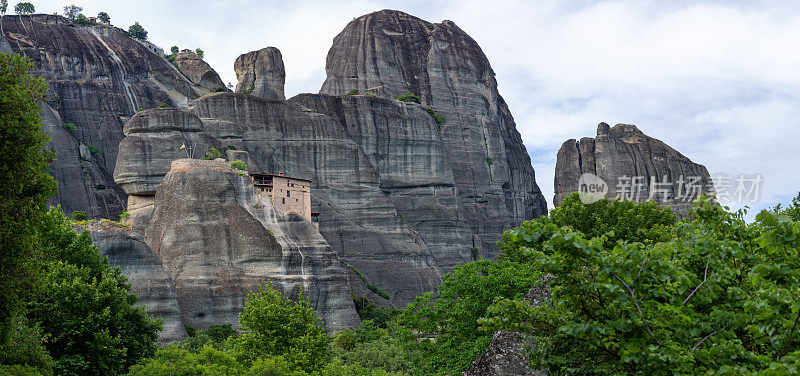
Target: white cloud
719 81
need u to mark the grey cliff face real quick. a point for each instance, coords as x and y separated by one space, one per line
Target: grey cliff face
357 216
98 77
390 53
261 73
623 152
199 72
217 244
145 271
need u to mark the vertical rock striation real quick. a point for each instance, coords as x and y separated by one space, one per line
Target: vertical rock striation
621 153
390 53
98 76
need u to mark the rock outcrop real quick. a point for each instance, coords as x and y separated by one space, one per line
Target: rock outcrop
261 73
98 77
199 72
391 53
357 216
145 271
217 243
634 166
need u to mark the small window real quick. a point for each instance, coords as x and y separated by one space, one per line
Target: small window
284 200
288 193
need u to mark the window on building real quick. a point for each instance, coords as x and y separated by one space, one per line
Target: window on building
288 193
284 200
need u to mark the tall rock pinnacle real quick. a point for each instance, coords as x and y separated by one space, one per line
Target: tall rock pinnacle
391 53
261 73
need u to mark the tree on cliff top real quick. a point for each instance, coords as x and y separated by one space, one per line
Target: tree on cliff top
3 7
24 180
24 8
104 18
137 31
72 11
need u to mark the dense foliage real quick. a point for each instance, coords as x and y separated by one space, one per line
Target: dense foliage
715 296
441 332
24 180
24 8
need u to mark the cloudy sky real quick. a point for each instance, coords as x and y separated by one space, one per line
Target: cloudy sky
718 81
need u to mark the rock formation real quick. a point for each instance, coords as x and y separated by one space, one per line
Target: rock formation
391 53
405 190
98 77
634 166
261 73
217 243
199 72
145 271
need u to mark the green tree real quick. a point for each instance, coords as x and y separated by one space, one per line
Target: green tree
199 53
25 183
273 325
442 332
3 7
618 220
104 18
85 308
81 20
175 50
719 296
24 8
137 31
72 11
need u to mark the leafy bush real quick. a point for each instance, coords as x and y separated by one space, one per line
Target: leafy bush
408 97
368 310
81 20
71 128
199 53
441 333
124 216
439 118
489 160
353 92
93 149
273 325
229 147
164 105
250 88
239 165
79 215
212 154
378 291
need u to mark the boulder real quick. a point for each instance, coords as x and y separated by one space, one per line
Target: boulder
261 73
199 72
